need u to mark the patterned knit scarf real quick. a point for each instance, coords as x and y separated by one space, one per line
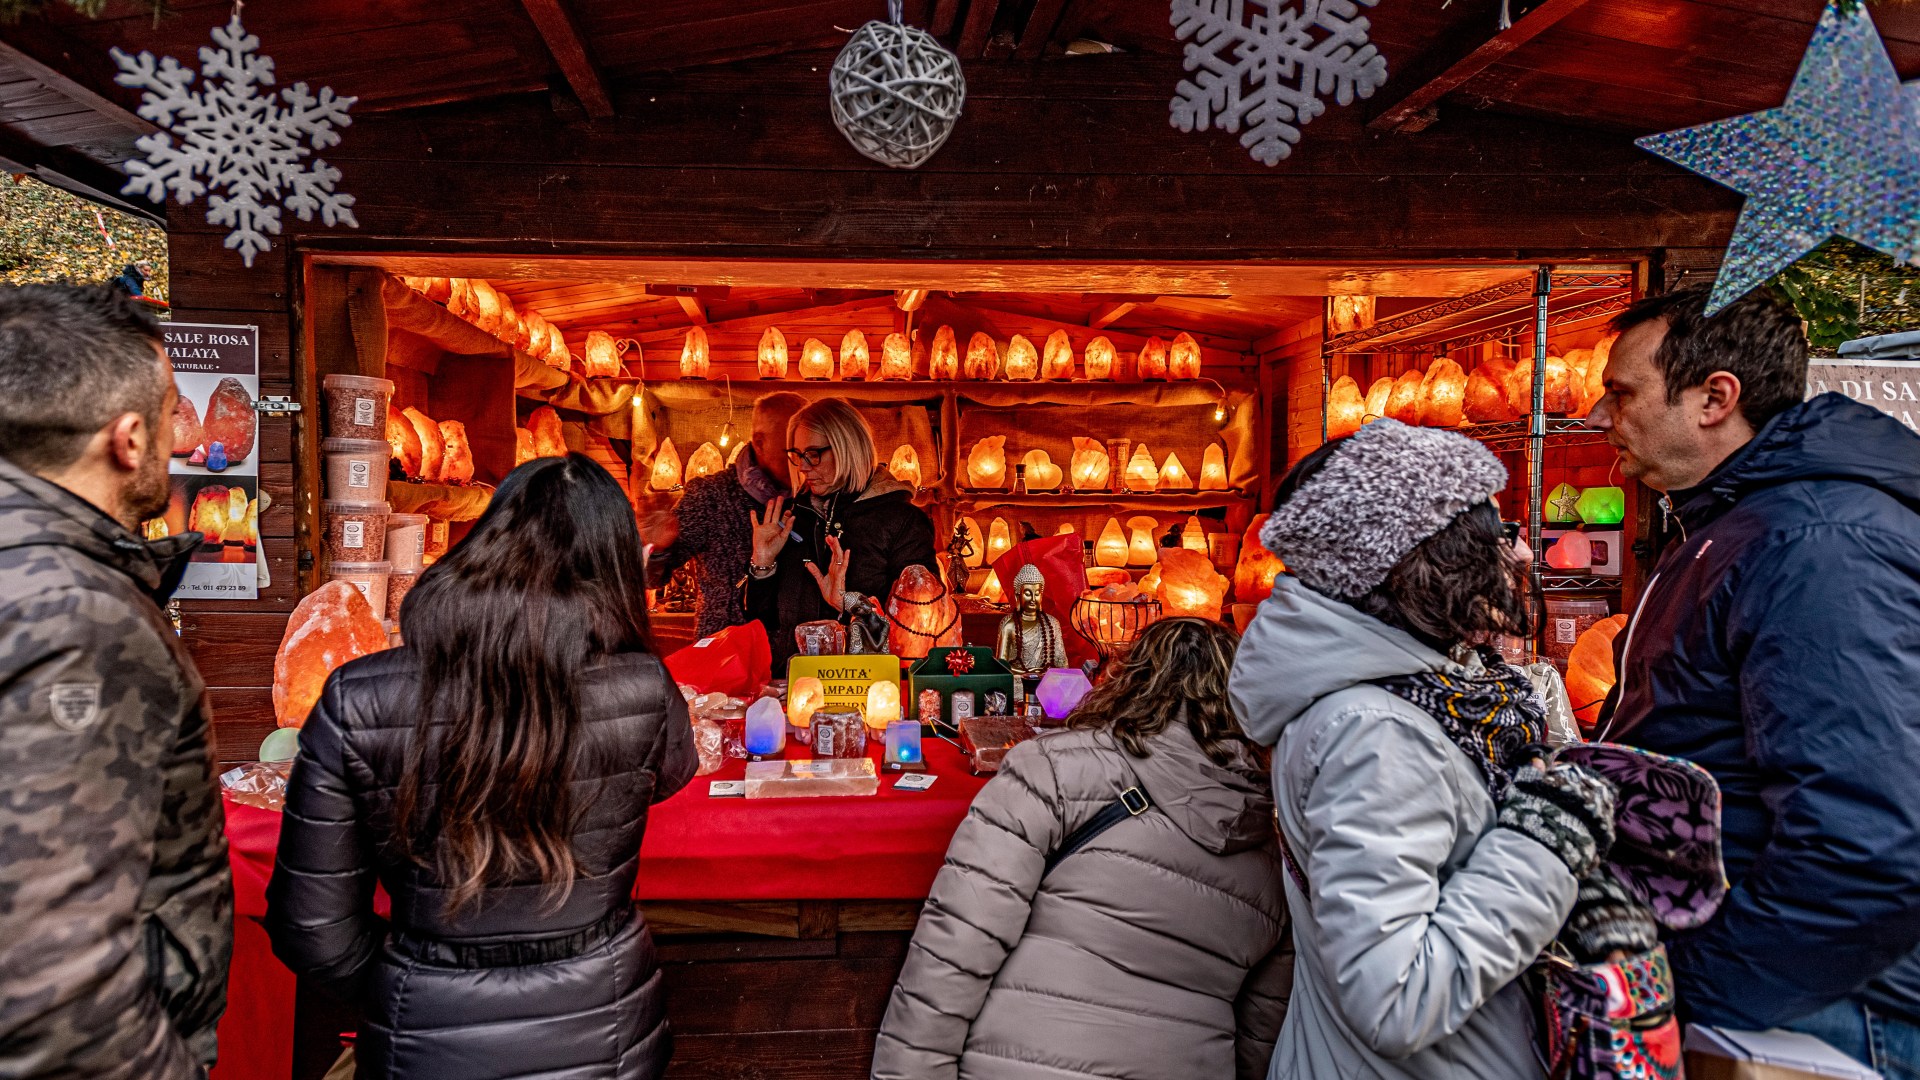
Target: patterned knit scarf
1490 714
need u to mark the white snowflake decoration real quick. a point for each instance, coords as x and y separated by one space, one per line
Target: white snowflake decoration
1270 72
240 139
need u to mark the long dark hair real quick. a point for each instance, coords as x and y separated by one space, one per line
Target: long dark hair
1176 670
1458 585
550 578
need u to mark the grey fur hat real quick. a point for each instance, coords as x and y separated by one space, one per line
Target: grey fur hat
1387 488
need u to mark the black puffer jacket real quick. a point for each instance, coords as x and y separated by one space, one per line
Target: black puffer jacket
599 1013
882 529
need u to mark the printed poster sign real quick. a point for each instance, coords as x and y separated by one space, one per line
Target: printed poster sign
844 679
215 466
1892 386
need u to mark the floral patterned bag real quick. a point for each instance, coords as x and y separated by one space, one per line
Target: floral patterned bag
1615 1020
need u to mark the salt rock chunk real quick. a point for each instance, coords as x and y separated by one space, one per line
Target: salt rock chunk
548 441
405 442
456 461
187 435
522 447
433 445
333 625
707 743
231 419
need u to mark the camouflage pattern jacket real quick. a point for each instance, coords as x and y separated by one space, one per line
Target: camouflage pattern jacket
116 899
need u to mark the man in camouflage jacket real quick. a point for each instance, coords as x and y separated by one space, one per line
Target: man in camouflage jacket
116 899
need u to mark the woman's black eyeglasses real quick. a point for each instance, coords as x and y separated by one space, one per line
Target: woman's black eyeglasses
808 457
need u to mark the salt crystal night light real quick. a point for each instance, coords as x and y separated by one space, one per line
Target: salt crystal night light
1142 473
1152 361
1183 359
883 706
1023 360
1100 359
903 747
693 354
816 360
1142 549
983 357
987 463
1042 473
1602 506
1061 689
854 356
1057 361
1213 468
1111 548
1346 409
905 465
804 698
896 358
944 363
665 475
772 358
705 462
766 728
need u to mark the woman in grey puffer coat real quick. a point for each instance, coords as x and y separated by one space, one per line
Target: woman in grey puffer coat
1433 860
1159 949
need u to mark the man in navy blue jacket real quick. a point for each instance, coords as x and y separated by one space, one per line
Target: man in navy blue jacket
1778 646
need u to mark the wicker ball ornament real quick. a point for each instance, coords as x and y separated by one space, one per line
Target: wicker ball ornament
896 92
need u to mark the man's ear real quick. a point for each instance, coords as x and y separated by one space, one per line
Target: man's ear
1721 401
129 437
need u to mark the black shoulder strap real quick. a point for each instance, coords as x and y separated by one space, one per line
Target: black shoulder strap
1132 803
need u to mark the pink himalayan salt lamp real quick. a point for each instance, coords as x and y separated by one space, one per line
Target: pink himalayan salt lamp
1346 409
456 459
1057 361
1023 360
1189 585
231 420
922 615
771 358
1253 575
1152 361
1404 403
1443 394
187 435
333 625
1183 359
855 357
983 357
1101 358
1089 464
945 360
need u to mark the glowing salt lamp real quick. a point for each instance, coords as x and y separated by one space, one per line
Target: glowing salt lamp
456 453
1443 394
1404 403
1192 536
1173 475
1590 673
1067 528
1561 504
1486 394
601 359
1042 473
548 438
1057 361
944 363
1559 389
854 356
816 360
330 626
773 354
1099 576
1346 409
990 590
705 461
539 333
804 698
1350 313
896 358
1152 361
1602 506
765 733
1253 575
1213 468
1377 396
1142 474
1023 361
1101 358
976 542
1190 586
693 354
983 357
1111 548
486 305
209 513
1142 548
905 464
999 539
987 463
1060 691
921 614
1183 359
1596 387
1573 551
1089 465
665 474
883 706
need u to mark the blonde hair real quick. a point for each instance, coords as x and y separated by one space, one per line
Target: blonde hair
846 431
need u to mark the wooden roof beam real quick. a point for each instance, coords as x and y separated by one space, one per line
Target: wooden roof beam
562 35
1107 314
57 62
71 171
1418 108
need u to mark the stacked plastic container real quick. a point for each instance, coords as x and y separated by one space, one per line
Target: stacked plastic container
355 517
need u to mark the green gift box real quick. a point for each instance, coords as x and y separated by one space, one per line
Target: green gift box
930 673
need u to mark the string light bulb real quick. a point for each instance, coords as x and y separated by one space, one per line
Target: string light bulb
726 427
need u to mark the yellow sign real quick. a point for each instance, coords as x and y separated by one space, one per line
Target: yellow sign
845 678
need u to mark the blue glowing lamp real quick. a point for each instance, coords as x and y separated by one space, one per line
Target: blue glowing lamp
1061 689
903 752
766 728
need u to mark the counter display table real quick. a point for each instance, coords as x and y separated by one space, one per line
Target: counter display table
782 924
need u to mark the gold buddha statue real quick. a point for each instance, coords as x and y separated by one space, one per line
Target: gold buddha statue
1030 640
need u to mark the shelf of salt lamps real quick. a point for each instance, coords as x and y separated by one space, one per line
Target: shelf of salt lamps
441 501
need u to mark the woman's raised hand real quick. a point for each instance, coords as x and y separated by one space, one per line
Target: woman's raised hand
833 583
770 531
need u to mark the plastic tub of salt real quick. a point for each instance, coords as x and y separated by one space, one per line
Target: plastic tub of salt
356 469
369 577
406 542
355 531
356 406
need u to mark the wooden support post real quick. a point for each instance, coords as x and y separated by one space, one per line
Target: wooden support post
564 43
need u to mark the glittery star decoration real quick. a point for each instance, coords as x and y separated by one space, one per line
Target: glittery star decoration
1564 501
1841 156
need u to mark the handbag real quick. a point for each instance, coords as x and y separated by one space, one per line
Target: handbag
1614 1019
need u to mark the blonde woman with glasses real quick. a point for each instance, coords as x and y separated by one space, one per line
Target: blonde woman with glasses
849 531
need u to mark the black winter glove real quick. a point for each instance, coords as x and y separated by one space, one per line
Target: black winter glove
1567 808
1607 917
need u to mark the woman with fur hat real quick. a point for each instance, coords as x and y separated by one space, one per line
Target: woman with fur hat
1432 853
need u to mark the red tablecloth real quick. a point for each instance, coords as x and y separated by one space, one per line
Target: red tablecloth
888 846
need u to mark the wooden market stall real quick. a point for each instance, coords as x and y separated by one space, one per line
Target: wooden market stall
641 170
